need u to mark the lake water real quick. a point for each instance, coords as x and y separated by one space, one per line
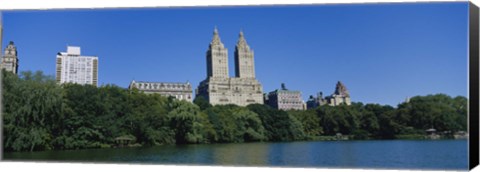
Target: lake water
388 154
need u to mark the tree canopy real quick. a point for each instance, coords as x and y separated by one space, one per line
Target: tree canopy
42 115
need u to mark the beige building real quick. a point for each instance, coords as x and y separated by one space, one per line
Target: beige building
340 96
285 99
74 68
1 39
1 30
219 87
10 58
181 91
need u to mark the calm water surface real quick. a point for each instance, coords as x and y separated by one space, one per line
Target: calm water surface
391 154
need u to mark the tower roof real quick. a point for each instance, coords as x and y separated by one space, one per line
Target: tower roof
242 42
216 39
340 89
11 45
11 49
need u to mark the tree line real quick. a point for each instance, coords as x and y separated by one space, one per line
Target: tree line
39 114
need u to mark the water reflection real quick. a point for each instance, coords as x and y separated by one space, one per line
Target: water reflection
439 154
241 154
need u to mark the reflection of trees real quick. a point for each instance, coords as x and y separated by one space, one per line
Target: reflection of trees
348 155
251 154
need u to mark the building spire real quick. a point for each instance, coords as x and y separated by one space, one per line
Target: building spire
340 89
11 49
241 40
216 38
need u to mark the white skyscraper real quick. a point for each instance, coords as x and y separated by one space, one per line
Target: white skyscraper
74 68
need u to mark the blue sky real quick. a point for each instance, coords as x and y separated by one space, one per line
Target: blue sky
383 53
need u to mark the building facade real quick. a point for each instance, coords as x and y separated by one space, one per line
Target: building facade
285 99
181 91
71 67
10 58
314 102
219 87
340 96
1 30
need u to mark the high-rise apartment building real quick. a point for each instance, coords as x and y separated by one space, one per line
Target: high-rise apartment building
10 58
219 87
75 68
1 29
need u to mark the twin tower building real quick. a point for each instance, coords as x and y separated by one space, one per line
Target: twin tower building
219 87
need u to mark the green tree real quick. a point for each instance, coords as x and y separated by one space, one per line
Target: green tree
437 111
184 122
33 108
248 125
202 102
339 119
310 122
221 117
278 124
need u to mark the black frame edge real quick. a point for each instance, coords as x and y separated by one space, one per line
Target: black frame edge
473 118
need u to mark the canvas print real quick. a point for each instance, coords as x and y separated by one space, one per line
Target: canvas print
370 86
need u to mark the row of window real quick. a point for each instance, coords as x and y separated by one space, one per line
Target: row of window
158 86
290 102
181 97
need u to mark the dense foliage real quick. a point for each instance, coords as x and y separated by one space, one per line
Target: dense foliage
42 115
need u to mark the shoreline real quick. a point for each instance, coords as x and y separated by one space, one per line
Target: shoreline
220 143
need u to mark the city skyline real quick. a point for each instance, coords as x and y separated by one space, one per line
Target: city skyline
393 51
